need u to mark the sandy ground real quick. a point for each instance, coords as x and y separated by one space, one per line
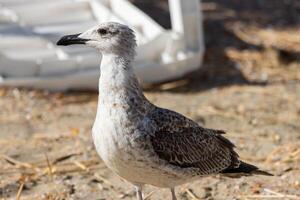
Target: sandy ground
249 86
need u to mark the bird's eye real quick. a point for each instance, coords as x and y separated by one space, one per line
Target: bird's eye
102 31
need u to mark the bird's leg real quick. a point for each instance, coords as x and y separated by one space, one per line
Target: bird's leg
173 194
139 193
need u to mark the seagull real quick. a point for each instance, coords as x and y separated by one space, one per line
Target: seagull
143 143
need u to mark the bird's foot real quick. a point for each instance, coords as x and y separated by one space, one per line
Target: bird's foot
173 194
139 192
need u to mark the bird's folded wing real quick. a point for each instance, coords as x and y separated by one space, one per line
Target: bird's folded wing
183 143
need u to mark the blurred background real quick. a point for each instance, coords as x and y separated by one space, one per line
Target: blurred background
248 84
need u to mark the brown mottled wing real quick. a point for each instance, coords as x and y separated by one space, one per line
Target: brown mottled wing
183 143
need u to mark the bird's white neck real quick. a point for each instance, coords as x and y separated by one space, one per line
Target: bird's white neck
115 71
118 85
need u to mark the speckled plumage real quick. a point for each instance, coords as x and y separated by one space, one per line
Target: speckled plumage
143 143
185 144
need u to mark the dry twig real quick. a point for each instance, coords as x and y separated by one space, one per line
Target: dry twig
18 197
149 195
62 158
50 169
81 166
16 162
191 194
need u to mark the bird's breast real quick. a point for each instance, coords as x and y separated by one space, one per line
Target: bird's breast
113 135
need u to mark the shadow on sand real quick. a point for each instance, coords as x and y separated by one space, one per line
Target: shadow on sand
219 16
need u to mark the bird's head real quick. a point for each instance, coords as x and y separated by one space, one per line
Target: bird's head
108 38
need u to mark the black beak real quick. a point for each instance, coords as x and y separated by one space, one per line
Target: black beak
71 39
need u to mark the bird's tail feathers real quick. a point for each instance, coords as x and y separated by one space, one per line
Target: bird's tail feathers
261 172
245 169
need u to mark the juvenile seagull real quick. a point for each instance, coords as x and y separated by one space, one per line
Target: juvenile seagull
139 141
